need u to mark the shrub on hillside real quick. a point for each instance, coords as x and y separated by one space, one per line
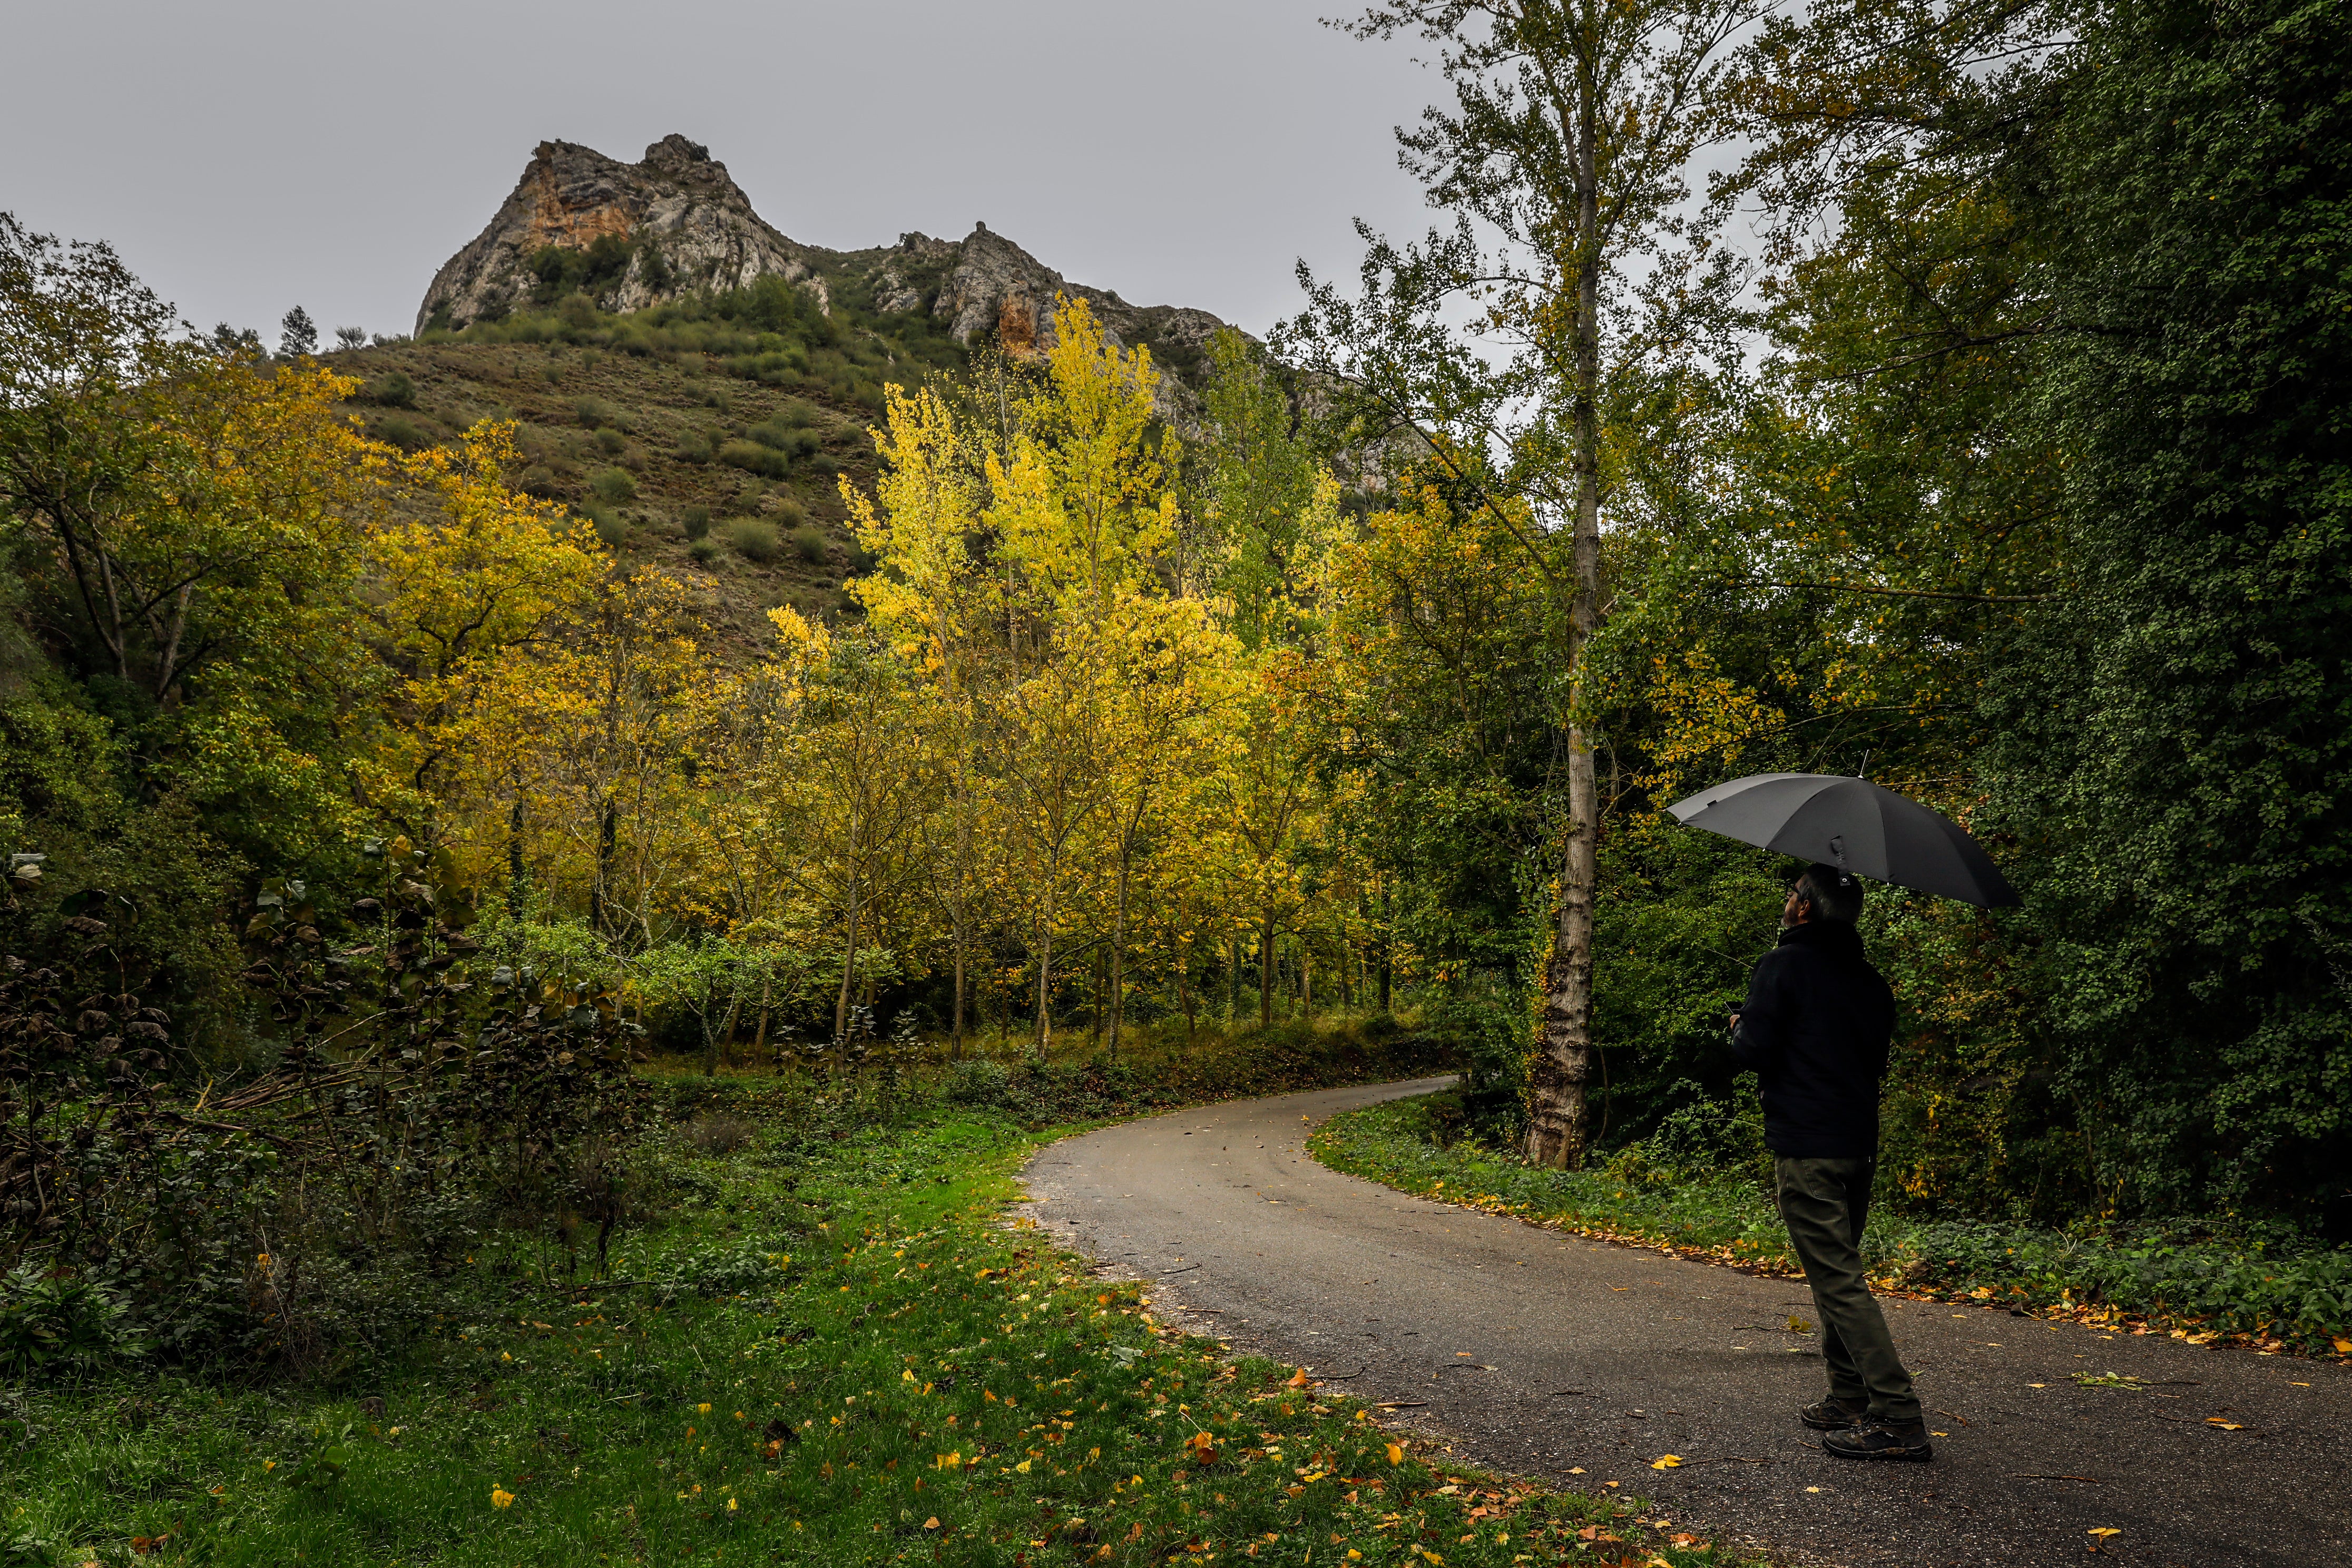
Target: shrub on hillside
754 538
793 441
391 390
704 551
594 412
406 434
810 545
615 486
696 521
754 458
610 526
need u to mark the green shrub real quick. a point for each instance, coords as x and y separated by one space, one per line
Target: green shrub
791 514
791 440
794 414
706 552
405 434
754 538
734 1270
617 486
611 442
391 390
594 412
611 527
754 458
696 519
57 1323
810 543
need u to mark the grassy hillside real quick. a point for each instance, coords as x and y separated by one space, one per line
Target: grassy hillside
710 439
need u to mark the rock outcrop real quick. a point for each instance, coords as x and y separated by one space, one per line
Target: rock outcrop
633 235
630 235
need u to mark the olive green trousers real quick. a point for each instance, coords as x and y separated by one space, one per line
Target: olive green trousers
1824 1203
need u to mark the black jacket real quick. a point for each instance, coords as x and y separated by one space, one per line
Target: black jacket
1815 1029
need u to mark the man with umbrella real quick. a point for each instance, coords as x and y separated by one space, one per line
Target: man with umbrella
1815 1027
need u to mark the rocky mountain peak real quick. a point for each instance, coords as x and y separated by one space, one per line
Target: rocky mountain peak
634 235
630 235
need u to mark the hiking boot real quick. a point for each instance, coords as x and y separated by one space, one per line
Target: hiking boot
1835 1415
1873 1439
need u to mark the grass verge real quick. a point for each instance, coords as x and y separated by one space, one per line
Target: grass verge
2274 1297
832 1347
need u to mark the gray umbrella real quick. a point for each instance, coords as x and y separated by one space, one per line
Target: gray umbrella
1854 824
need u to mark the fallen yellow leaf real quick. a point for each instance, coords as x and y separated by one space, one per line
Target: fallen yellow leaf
2102 1532
501 1497
1396 1453
1668 1462
932 1523
2225 1426
2344 1347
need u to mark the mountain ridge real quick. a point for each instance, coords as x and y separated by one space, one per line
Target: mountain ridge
632 235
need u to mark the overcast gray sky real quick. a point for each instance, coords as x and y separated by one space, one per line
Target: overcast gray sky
248 155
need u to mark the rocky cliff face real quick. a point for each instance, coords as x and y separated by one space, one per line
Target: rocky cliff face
633 235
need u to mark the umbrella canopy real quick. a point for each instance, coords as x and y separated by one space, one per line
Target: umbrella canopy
1852 823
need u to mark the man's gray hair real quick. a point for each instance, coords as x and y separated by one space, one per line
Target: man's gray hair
1834 895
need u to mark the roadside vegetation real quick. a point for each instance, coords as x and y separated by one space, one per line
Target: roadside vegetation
1701 1184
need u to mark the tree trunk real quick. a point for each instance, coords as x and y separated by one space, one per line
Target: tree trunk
514 858
1266 971
1233 977
1388 916
1118 957
1045 972
848 972
1555 1084
962 899
1102 995
607 830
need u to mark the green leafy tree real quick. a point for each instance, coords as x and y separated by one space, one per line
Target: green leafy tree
1523 364
2176 745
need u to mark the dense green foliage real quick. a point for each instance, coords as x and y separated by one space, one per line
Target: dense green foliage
2175 750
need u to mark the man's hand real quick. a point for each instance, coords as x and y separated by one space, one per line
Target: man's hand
1735 1020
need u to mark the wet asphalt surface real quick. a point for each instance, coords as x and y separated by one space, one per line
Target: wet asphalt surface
1540 1353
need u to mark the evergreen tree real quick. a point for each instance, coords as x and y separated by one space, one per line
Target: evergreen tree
297 333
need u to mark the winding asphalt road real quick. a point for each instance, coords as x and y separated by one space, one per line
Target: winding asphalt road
1545 1354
